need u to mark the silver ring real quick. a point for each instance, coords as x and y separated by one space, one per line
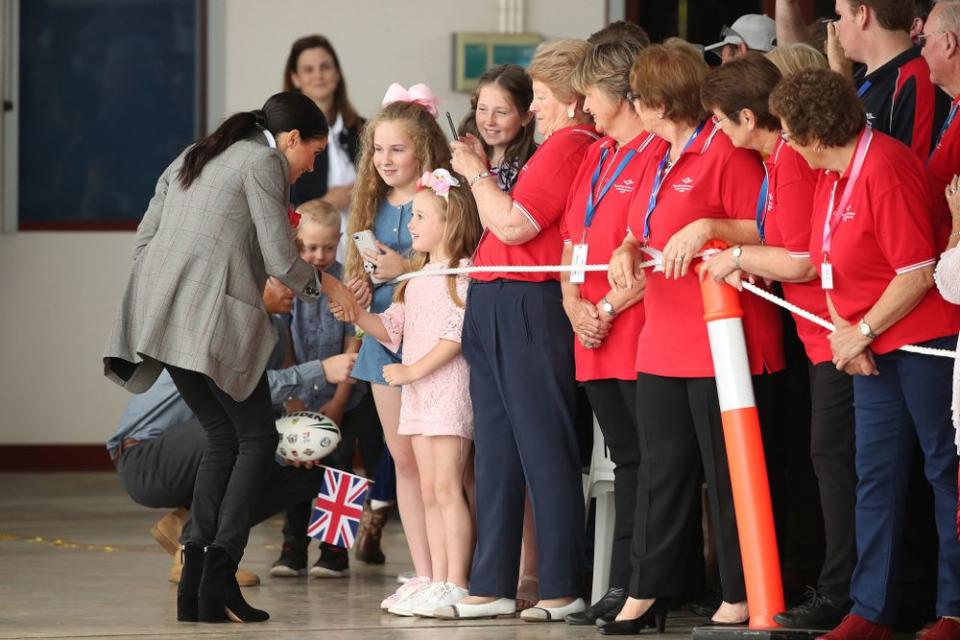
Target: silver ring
678 259
951 190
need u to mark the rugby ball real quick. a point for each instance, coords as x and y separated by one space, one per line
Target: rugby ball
306 436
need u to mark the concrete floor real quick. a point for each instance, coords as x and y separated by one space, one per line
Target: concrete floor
77 561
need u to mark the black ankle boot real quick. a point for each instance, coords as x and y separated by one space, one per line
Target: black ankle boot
220 599
187 589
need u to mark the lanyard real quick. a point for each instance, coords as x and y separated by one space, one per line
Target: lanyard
658 181
762 206
834 216
946 125
864 88
591 205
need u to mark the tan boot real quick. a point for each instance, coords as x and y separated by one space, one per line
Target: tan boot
244 578
167 530
176 568
367 544
247 578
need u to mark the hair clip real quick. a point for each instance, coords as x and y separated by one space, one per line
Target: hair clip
439 181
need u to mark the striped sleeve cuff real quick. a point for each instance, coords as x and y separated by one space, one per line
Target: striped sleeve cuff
529 217
914 267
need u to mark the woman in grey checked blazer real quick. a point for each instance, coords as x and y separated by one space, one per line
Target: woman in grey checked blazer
215 229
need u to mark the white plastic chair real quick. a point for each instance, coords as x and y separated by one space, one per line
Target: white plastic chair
599 485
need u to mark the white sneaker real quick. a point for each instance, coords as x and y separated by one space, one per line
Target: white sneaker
444 595
413 584
413 600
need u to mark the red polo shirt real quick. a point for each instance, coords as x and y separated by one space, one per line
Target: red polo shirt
541 195
789 208
885 230
943 164
615 356
711 179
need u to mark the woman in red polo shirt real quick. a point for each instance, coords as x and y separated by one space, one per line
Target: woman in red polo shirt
606 322
738 94
874 249
519 345
701 175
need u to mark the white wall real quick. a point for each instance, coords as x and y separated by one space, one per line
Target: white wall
378 42
60 290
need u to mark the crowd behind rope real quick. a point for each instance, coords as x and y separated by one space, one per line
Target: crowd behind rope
828 178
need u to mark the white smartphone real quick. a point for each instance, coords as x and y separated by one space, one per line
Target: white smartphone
367 243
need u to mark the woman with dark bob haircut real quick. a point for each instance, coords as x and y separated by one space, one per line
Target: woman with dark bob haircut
874 244
738 93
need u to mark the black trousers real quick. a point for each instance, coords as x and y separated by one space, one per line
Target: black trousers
161 474
519 345
614 403
241 442
832 451
361 428
681 444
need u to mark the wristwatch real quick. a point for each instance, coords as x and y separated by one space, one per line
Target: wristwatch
866 330
737 252
608 308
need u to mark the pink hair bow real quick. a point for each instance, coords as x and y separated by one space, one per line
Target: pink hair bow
419 93
439 181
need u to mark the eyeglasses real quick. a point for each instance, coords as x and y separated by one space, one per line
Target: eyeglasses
715 120
921 39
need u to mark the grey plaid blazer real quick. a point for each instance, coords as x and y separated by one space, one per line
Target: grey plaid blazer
200 261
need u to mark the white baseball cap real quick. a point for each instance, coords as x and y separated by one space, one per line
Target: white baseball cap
758 32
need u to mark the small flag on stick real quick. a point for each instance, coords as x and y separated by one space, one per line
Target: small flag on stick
338 507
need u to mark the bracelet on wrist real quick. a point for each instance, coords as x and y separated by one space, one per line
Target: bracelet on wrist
477 178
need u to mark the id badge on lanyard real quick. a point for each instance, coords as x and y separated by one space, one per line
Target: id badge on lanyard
579 260
835 215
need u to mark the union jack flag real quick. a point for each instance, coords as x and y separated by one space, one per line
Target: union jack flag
338 507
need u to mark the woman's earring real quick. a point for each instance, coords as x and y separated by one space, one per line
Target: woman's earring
660 115
571 112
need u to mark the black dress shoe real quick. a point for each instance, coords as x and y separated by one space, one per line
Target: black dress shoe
655 616
608 606
817 612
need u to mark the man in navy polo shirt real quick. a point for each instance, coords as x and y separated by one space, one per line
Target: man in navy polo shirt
894 81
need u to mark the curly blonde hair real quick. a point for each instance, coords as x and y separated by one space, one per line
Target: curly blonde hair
460 237
430 147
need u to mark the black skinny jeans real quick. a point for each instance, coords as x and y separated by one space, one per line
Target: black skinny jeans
241 441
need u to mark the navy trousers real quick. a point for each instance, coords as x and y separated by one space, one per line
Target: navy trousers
906 405
519 345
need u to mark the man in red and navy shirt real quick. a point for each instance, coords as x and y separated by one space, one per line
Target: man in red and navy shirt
941 50
894 82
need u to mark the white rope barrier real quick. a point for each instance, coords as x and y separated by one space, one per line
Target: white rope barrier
655 263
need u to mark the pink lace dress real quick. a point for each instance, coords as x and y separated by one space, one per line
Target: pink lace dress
438 404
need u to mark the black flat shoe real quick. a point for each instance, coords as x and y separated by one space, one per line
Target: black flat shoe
655 616
608 606
817 612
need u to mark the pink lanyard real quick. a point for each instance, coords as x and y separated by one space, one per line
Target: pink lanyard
835 216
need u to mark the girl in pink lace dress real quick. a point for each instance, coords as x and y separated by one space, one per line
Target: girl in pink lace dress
426 318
